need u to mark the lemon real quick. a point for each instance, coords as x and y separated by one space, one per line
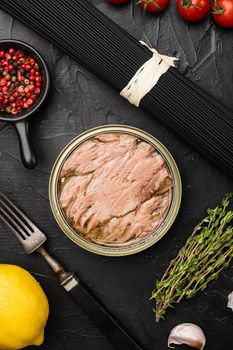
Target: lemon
24 309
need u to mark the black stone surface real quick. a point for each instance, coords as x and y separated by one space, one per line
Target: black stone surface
78 101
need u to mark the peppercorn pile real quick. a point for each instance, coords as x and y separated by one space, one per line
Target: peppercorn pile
20 81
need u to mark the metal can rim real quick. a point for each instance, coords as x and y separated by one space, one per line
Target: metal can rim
109 251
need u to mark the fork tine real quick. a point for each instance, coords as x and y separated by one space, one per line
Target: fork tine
8 221
6 209
11 207
30 236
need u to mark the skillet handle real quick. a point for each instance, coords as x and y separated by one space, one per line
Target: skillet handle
25 144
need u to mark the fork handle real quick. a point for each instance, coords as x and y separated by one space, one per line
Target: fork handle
57 268
96 312
100 316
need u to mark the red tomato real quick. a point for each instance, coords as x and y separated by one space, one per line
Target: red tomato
153 6
193 10
117 2
223 13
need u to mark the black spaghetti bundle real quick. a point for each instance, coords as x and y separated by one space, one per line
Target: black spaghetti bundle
115 56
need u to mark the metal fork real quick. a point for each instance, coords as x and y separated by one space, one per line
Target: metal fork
32 240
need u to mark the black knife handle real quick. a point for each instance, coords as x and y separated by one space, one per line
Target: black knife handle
100 316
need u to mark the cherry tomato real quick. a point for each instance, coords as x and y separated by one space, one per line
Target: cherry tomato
117 2
193 10
154 6
223 13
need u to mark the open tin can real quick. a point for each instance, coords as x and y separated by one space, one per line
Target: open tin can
78 238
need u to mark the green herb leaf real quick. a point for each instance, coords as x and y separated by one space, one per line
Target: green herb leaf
205 254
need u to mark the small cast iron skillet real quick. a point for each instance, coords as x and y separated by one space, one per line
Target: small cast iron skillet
20 122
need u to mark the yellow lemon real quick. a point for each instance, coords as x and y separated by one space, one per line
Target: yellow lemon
24 309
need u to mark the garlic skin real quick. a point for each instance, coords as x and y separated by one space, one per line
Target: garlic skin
189 334
230 301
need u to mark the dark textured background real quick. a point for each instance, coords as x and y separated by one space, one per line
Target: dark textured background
78 101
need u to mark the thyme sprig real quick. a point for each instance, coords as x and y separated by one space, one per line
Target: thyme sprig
206 253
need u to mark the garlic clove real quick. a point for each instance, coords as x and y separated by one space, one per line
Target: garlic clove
189 334
230 301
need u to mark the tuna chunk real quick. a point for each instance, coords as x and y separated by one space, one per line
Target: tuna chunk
93 153
115 189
